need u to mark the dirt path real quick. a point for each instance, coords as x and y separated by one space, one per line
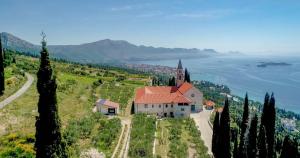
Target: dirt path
119 142
125 147
201 119
21 91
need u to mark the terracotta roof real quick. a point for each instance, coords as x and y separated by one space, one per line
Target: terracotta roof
209 103
107 103
185 87
159 94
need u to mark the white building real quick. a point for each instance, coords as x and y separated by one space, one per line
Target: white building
107 107
174 101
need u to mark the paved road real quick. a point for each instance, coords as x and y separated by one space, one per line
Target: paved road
22 90
201 120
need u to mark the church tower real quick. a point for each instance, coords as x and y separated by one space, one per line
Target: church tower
180 75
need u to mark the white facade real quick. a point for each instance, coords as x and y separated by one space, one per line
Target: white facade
196 97
106 109
166 110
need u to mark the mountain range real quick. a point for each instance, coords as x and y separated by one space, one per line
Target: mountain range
106 51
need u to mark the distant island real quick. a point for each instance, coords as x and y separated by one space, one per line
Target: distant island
265 64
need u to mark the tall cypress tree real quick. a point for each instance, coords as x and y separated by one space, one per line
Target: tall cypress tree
215 136
244 126
262 143
252 148
187 77
224 136
270 126
264 115
289 148
2 79
48 135
235 149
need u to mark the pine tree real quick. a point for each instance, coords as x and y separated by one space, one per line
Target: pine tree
252 148
235 149
244 126
2 79
48 134
215 136
262 143
270 126
289 148
224 136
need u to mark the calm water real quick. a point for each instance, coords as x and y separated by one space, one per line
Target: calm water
242 75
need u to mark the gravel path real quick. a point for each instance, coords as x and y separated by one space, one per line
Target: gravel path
22 90
203 126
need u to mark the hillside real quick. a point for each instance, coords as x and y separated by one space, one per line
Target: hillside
78 88
106 51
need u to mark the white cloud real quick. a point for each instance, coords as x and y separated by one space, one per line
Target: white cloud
130 7
122 8
150 14
205 14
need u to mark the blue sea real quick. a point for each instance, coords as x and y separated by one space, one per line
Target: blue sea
242 75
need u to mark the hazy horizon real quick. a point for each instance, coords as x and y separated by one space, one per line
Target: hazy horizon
260 28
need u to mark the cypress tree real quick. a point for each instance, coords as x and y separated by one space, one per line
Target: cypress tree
187 77
2 79
215 136
289 148
169 83
252 148
270 126
224 136
48 134
235 149
173 81
262 143
244 126
264 115
132 108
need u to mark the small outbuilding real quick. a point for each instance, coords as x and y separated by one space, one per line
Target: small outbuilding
107 107
209 104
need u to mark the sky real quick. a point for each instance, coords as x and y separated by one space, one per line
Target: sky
248 26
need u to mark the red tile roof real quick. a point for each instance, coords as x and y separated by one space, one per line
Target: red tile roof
160 94
185 87
209 103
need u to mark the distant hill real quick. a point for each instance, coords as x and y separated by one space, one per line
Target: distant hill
106 51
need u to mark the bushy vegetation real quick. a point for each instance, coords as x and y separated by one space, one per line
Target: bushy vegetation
177 147
200 148
142 136
179 138
94 129
16 145
117 92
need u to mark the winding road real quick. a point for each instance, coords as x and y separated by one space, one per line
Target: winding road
21 91
201 120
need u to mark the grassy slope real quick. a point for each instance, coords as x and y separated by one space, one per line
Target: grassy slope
75 95
13 81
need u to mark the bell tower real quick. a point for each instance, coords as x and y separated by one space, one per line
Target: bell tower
179 75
